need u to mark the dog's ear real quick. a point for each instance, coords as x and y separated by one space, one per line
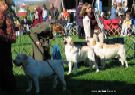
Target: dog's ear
65 40
91 42
69 38
71 43
94 42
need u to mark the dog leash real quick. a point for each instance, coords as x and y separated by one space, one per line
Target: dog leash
51 66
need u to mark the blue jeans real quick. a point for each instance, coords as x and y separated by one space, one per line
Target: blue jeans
133 29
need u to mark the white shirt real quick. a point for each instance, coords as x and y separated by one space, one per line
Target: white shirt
45 13
36 15
118 1
86 25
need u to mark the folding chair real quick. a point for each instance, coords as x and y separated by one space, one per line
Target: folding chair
70 29
107 26
116 27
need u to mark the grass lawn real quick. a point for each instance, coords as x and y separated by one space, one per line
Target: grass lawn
114 80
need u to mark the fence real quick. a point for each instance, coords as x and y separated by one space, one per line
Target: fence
128 41
23 44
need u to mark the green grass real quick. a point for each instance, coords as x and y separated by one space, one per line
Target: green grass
112 78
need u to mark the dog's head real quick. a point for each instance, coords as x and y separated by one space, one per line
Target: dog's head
20 59
57 27
68 40
91 42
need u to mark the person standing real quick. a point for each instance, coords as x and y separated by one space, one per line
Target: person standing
26 26
79 20
17 27
133 9
40 42
113 11
64 15
98 6
93 22
7 37
40 14
53 13
89 21
45 13
126 25
38 18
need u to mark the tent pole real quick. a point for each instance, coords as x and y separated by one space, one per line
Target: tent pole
62 3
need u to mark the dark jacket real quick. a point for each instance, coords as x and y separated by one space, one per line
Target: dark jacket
7 37
93 21
53 12
41 52
79 19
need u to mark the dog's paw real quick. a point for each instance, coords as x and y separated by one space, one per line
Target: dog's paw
126 67
93 66
68 73
97 70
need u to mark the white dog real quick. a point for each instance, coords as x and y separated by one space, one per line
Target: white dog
107 51
98 35
76 54
35 70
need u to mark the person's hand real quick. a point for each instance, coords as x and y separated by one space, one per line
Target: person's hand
38 43
49 17
93 21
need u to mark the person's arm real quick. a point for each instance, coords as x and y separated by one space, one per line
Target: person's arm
93 19
124 23
34 37
49 15
130 23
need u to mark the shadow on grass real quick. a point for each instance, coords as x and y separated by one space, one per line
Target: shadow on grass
97 87
88 67
116 63
77 87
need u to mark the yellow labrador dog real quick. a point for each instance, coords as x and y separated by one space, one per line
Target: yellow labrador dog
107 51
75 54
36 70
98 35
